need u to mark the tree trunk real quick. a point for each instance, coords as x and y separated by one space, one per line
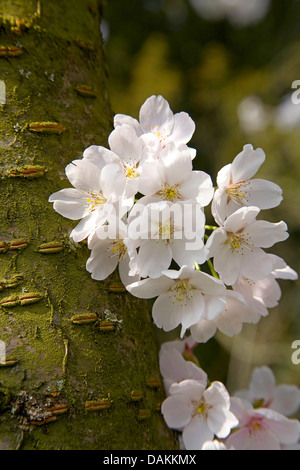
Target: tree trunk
69 381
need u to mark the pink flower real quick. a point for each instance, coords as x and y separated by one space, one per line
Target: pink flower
263 391
262 428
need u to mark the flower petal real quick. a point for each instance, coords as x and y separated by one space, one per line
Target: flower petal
247 163
184 128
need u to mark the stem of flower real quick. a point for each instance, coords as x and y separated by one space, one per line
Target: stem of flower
211 267
210 227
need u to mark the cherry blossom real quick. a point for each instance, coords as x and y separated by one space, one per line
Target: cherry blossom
263 391
108 252
162 233
158 126
171 178
264 293
175 367
198 412
229 322
237 189
236 247
183 297
91 199
123 161
261 428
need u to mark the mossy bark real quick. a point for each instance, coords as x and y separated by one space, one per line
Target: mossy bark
66 384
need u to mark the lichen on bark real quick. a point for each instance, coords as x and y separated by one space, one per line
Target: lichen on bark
61 375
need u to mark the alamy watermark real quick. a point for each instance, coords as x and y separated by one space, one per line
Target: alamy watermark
296 94
296 354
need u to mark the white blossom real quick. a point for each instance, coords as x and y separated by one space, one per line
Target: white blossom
199 413
236 188
172 178
184 297
163 232
123 161
108 252
91 199
174 367
158 126
264 293
236 247
230 321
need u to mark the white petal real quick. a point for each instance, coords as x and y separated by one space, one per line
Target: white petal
188 257
217 395
86 227
265 234
153 257
122 119
262 193
178 164
69 203
241 219
286 399
184 128
215 241
262 383
83 175
124 142
149 288
214 306
224 176
199 188
227 264
99 156
247 163
203 330
156 112
256 264
100 264
195 433
176 411
219 206
221 422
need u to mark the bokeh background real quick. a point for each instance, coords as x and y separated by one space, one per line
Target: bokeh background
232 70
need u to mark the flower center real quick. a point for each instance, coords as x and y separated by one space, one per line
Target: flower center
170 193
117 248
161 134
238 242
238 192
94 200
181 292
200 408
165 230
255 424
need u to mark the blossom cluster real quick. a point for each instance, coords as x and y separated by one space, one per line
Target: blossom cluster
141 207
208 418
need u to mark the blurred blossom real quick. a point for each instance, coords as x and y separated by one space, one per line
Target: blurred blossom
238 12
105 30
287 114
253 114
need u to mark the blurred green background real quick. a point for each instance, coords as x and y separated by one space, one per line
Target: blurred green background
235 81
